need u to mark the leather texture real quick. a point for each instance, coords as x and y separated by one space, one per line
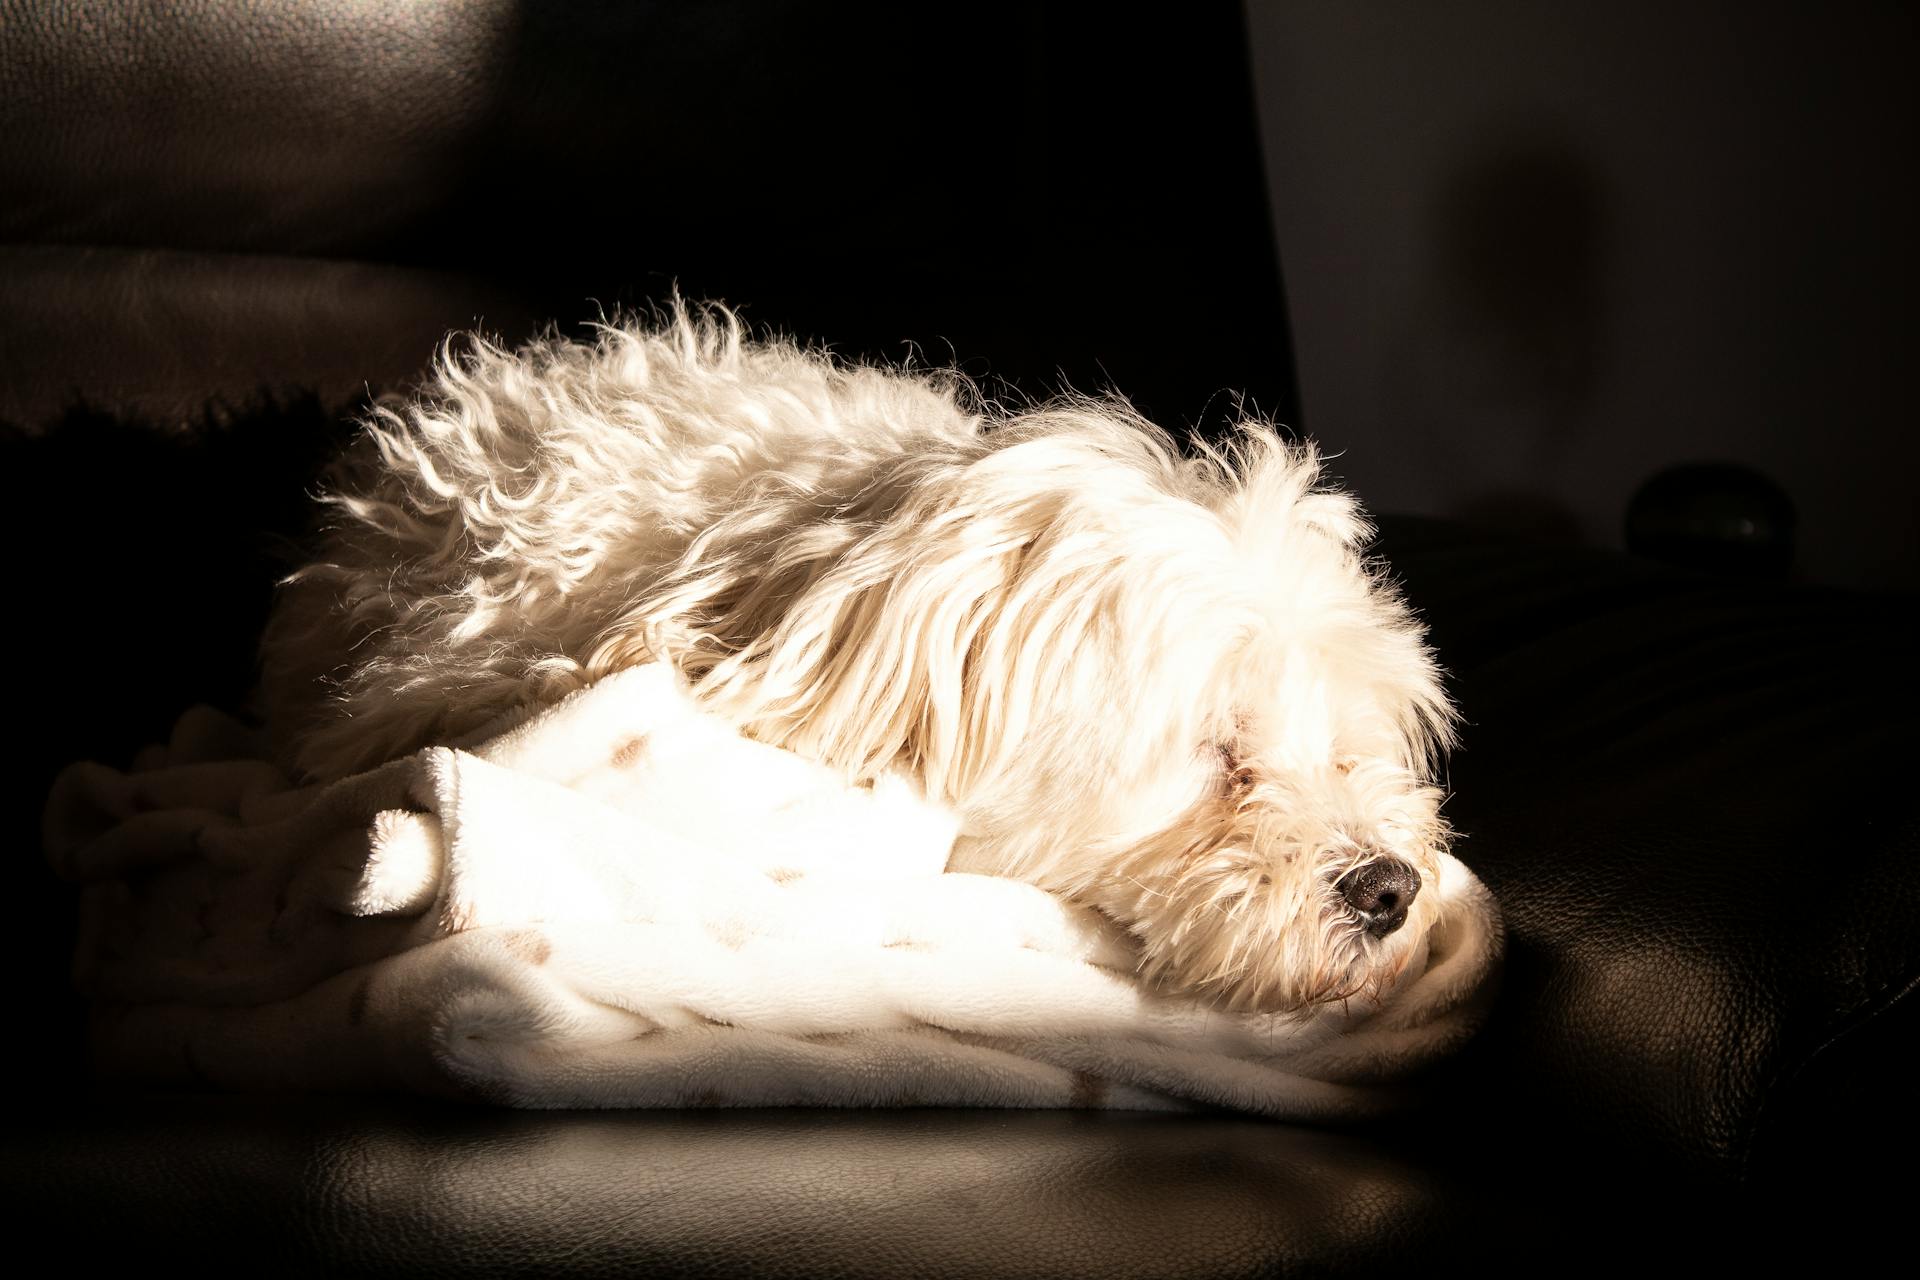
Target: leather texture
358 1187
295 127
218 219
335 127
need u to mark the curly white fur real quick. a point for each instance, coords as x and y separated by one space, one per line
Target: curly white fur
1169 686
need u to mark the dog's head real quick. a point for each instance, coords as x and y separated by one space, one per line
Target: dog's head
1169 686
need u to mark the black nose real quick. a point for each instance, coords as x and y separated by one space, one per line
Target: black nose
1380 893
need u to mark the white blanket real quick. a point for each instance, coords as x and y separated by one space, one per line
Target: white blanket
622 903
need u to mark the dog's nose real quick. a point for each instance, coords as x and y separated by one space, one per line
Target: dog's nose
1380 893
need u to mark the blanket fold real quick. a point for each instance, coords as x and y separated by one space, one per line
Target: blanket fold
620 902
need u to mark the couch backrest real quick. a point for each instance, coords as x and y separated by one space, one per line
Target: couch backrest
244 192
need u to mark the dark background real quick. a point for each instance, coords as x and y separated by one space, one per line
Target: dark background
1536 252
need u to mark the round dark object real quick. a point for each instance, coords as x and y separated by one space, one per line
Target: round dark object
1715 517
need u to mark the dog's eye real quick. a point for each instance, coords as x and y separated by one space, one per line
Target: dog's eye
1238 775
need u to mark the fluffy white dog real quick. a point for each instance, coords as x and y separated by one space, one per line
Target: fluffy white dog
1167 686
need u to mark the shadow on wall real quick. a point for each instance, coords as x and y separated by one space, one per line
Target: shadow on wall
1512 326
1519 240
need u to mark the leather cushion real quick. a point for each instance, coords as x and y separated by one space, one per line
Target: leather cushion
1687 794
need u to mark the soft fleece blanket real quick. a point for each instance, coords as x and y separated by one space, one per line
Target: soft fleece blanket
622 903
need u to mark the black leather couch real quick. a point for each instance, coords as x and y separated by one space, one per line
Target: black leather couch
221 222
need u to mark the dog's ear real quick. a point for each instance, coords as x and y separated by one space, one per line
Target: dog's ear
994 590
1304 544
1269 490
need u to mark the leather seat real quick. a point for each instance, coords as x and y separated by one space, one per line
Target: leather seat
219 224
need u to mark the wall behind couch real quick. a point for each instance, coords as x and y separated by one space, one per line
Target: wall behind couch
1535 253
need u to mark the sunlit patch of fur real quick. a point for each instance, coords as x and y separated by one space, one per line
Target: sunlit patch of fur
1167 684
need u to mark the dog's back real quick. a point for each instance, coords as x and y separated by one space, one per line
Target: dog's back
487 528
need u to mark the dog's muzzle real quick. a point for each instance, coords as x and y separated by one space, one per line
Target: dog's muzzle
1379 892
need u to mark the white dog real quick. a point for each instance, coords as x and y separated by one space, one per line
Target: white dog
1169 687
